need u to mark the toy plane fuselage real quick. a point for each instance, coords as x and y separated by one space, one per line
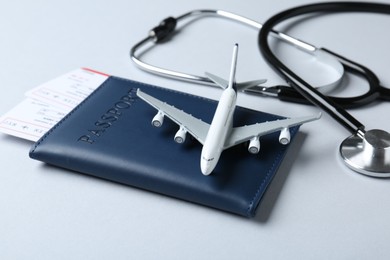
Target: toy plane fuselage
220 134
219 130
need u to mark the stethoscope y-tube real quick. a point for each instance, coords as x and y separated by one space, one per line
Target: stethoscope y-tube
365 152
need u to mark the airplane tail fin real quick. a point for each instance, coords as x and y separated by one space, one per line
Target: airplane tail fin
231 83
232 77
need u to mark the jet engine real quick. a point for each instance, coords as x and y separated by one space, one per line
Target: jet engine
158 119
284 137
254 145
180 136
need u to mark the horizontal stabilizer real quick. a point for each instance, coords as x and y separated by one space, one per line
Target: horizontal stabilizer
240 86
249 84
217 80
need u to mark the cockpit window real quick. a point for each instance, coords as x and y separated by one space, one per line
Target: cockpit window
209 160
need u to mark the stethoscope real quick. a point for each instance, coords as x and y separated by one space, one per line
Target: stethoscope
367 152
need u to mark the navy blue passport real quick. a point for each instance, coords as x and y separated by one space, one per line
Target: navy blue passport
109 135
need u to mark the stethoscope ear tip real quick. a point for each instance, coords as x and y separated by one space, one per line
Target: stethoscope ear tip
369 155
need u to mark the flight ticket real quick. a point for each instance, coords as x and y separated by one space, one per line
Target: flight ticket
48 103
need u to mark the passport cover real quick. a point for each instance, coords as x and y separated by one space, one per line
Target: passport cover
109 135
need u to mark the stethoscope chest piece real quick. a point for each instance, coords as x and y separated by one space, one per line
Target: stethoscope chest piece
369 155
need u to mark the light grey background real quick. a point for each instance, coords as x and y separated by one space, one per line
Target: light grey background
316 208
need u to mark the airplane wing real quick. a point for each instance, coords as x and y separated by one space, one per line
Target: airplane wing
196 127
245 133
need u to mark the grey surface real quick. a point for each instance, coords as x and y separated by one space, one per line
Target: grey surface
316 207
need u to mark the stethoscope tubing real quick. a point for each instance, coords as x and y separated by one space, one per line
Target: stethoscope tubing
375 91
304 88
284 93
167 28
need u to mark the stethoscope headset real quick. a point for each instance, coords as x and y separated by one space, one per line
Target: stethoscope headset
367 152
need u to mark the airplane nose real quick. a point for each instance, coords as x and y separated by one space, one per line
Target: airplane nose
205 167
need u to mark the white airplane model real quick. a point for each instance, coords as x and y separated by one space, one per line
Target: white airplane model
220 134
